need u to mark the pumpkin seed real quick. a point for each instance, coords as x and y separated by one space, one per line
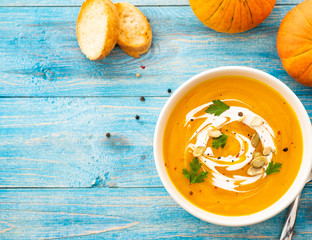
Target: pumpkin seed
273 150
198 151
256 122
256 154
214 133
259 162
255 171
266 151
255 140
242 118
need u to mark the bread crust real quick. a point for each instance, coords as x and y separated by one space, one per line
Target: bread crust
294 44
111 26
133 47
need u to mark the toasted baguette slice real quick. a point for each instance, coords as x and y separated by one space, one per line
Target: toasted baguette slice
135 34
97 28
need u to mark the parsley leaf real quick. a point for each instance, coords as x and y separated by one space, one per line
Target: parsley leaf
193 175
273 168
217 108
219 141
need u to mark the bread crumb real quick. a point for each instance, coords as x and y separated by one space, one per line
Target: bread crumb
138 75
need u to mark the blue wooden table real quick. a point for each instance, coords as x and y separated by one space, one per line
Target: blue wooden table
60 175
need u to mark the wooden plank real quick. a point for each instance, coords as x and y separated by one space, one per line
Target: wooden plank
141 213
61 142
76 3
41 57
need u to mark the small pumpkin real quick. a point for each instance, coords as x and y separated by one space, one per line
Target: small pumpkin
294 43
232 16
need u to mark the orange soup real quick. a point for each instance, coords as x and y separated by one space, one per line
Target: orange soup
232 146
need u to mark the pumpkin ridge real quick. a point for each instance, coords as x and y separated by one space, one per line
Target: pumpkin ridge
232 18
306 69
205 11
270 4
245 11
215 11
256 3
249 12
262 11
296 35
227 12
304 16
241 12
297 55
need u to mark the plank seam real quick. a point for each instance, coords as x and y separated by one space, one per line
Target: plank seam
104 96
66 188
66 6
74 6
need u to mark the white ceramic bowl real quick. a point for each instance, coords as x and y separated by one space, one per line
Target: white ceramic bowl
295 188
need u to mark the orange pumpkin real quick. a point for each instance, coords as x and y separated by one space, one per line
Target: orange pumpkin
232 16
294 43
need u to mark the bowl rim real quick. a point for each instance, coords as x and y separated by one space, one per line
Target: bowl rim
300 179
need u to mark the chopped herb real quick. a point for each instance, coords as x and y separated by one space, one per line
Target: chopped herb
217 108
194 176
285 149
273 168
219 141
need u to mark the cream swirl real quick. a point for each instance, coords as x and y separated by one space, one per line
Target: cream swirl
230 163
